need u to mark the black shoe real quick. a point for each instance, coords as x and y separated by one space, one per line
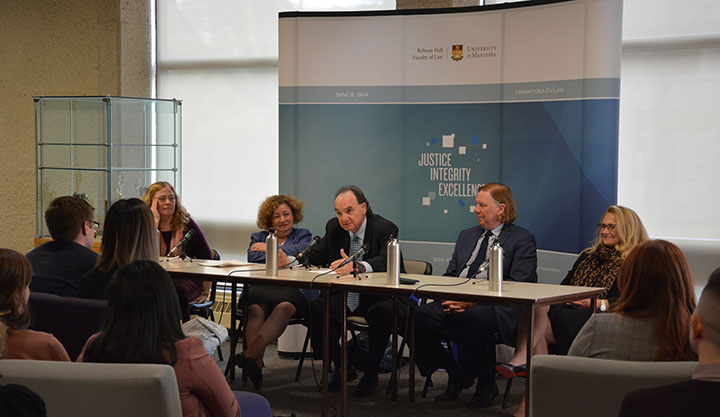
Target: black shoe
253 371
451 392
337 378
366 386
484 396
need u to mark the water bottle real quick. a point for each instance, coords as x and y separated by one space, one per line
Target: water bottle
495 275
393 261
271 253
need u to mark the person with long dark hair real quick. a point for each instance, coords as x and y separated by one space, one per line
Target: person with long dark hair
16 342
128 235
142 325
651 319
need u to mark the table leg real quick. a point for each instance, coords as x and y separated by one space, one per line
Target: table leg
394 375
343 353
411 345
531 323
593 305
234 333
326 353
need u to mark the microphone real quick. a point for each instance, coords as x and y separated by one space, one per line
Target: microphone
303 253
185 239
481 269
354 256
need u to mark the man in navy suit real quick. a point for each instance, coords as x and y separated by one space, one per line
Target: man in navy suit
356 222
471 325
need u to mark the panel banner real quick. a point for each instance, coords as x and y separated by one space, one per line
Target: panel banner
421 108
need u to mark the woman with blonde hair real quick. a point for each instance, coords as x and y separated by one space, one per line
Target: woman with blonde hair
173 222
16 342
128 235
619 231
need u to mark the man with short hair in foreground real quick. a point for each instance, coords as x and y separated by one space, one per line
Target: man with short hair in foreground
58 265
699 396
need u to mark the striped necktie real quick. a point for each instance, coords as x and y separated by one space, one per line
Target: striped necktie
353 298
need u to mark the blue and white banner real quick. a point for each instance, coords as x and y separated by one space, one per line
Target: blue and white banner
420 108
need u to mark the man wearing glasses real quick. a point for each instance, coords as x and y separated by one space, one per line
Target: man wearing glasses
58 265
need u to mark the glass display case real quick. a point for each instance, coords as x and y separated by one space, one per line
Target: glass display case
104 149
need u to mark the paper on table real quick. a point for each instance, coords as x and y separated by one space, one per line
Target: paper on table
222 264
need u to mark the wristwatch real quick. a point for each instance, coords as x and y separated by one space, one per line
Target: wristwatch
603 307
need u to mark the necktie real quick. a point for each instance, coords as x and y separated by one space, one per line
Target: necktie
353 298
480 257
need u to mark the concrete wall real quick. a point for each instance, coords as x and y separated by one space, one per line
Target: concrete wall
60 47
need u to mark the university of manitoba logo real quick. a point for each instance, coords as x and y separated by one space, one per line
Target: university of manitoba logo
457 52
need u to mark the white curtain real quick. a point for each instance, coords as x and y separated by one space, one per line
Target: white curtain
220 58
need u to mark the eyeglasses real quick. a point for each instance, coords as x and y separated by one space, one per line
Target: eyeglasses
607 226
164 199
95 225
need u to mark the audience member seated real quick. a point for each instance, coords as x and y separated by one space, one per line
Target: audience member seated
651 319
173 222
142 301
619 231
59 264
699 396
19 401
271 308
16 342
128 235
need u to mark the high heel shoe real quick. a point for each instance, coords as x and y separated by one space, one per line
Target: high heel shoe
253 371
508 371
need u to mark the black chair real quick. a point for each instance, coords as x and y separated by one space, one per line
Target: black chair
205 309
71 320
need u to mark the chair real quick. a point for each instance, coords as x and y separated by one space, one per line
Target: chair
417 267
71 320
97 389
567 385
205 308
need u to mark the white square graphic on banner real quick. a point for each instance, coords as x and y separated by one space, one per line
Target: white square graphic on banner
449 141
461 150
426 201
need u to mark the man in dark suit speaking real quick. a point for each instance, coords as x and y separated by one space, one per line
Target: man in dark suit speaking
354 225
471 325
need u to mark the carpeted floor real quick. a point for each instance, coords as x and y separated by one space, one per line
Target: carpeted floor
287 397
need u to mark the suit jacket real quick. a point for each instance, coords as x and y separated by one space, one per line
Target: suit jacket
58 266
295 242
519 264
377 233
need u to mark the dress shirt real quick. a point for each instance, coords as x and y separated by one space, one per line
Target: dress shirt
484 274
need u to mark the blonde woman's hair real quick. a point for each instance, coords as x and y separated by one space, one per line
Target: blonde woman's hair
180 217
629 227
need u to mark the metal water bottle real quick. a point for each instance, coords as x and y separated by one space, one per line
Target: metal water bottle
495 274
271 253
393 261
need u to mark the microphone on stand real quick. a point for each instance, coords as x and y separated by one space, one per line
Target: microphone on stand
354 256
302 256
185 239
